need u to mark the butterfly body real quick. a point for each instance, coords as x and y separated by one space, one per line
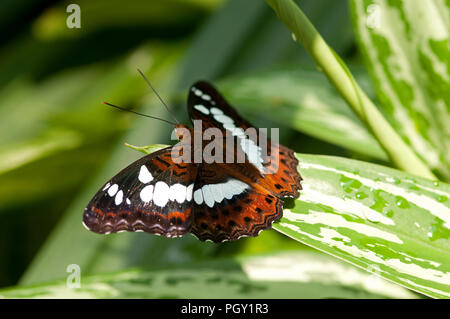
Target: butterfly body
220 197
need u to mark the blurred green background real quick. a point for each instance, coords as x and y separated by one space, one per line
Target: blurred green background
60 143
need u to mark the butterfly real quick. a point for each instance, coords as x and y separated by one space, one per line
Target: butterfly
219 200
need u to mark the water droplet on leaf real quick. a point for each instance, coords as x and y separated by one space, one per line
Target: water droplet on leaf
361 195
401 202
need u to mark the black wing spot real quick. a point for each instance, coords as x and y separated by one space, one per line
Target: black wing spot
183 167
200 213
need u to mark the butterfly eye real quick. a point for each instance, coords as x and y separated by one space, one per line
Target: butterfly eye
182 132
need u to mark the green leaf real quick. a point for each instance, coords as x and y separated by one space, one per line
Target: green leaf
199 63
259 40
380 219
283 275
407 47
388 222
339 75
103 14
147 149
24 152
303 99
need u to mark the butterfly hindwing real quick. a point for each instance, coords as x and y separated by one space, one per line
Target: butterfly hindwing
153 195
228 204
282 178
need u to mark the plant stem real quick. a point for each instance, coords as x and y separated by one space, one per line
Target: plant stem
339 75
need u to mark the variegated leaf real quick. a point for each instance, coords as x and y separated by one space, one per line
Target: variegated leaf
295 274
407 47
380 219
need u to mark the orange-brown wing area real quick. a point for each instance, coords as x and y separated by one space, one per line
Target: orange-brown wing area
153 195
229 203
245 215
282 177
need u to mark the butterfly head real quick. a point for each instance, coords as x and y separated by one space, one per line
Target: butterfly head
182 132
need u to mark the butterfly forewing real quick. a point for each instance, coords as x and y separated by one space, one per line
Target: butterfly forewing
207 104
277 164
153 194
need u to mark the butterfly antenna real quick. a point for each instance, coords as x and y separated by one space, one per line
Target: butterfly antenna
131 111
159 97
